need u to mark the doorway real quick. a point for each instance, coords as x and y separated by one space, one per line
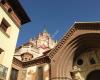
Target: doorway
94 75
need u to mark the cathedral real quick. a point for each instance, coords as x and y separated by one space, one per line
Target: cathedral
75 57
30 61
35 47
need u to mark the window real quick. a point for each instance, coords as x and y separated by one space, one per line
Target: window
1 50
40 73
4 25
14 74
92 61
10 10
79 61
2 53
3 72
26 59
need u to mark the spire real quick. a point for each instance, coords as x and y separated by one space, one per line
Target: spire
45 28
45 31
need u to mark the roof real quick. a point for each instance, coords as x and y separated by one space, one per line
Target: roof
18 9
87 23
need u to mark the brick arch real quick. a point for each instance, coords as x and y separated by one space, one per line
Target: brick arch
86 42
70 50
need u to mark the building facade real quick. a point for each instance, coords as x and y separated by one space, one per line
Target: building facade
75 57
33 51
10 22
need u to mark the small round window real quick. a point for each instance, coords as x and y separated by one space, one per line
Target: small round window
79 61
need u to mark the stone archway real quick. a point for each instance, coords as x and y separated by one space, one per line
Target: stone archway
94 75
67 55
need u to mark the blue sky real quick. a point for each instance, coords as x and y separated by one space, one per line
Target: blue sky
57 15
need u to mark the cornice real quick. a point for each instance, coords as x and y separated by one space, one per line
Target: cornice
18 25
17 62
73 29
62 42
38 61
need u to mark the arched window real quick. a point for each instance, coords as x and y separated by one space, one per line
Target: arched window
92 61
